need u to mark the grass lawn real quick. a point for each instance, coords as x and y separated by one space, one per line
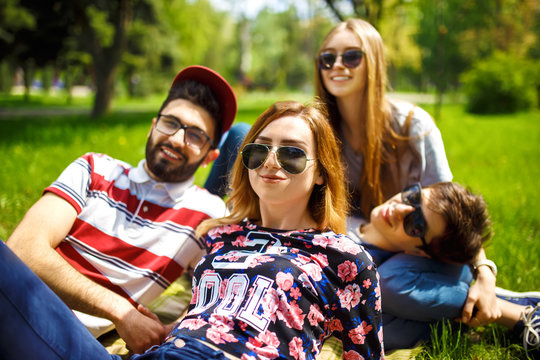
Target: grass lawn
498 156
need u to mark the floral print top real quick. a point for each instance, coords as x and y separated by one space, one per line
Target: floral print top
270 294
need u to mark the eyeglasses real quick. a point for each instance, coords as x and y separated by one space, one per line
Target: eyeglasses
291 159
350 59
193 136
414 223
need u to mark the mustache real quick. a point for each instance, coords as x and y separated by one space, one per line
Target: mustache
176 150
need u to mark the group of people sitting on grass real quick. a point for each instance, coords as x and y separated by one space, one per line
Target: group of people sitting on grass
341 221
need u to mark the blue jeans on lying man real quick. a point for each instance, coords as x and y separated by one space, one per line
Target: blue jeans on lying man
36 324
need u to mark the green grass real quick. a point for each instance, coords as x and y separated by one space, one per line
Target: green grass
497 155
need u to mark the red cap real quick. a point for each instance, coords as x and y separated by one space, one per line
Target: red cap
219 86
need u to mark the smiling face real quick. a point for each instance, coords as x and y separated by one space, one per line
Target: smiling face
168 157
273 185
341 81
387 219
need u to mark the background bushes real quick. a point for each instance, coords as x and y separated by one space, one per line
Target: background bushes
502 83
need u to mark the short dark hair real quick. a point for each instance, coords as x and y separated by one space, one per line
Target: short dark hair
468 225
201 95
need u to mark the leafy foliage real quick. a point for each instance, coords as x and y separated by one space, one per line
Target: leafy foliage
501 83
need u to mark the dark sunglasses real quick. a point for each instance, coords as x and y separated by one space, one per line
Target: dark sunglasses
350 59
291 158
414 223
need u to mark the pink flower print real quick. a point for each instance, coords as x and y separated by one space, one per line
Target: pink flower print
254 261
302 259
346 245
323 241
321 259
194 295
270 304
334 325
352 355
315 315
240 241
192 324
265 345
216 246
313 270
222 288
292 314
347 271
350 296
242 325
218 337
269 338
228 229
295 293
366 283
284 280
358 334
215 232
296 350
221 323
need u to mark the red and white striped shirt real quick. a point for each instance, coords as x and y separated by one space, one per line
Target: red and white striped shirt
133 235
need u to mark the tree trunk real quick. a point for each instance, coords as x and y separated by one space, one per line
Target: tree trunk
106 59
105 75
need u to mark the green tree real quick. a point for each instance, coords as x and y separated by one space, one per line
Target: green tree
103 29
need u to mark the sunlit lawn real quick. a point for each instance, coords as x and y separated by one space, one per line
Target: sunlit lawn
498 156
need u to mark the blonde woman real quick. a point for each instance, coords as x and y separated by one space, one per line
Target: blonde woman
386 144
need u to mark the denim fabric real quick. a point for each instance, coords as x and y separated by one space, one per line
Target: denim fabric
34 322
181 347
417 292
217 180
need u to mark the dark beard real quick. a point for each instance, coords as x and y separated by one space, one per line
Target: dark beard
163 170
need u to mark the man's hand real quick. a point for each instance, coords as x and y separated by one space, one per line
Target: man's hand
140 328
482 298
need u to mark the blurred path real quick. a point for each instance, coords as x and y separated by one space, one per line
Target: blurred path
6 113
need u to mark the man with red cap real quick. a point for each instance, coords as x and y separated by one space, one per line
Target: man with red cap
109 238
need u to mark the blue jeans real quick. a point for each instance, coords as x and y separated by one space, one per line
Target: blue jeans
417 292
217 180
181 347
34 322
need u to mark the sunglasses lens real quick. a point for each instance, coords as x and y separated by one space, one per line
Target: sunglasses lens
414 224
412 195
351 58
254 155
292 159
327 60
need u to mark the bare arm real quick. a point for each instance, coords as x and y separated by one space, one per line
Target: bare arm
35 239
482 297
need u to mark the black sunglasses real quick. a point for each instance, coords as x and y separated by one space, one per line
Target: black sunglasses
350 59
414 223
291 158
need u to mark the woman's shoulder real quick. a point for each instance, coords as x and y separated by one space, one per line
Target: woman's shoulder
420 120
344 244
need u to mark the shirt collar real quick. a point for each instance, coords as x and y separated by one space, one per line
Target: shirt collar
175 190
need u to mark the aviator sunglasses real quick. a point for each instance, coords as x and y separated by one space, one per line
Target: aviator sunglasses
291 158
414 223
349 59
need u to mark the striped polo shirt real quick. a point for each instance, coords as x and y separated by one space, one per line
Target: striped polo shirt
132 234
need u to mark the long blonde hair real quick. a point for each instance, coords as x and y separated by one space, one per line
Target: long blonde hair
375 117
328 204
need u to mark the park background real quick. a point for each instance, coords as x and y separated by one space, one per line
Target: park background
79 76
